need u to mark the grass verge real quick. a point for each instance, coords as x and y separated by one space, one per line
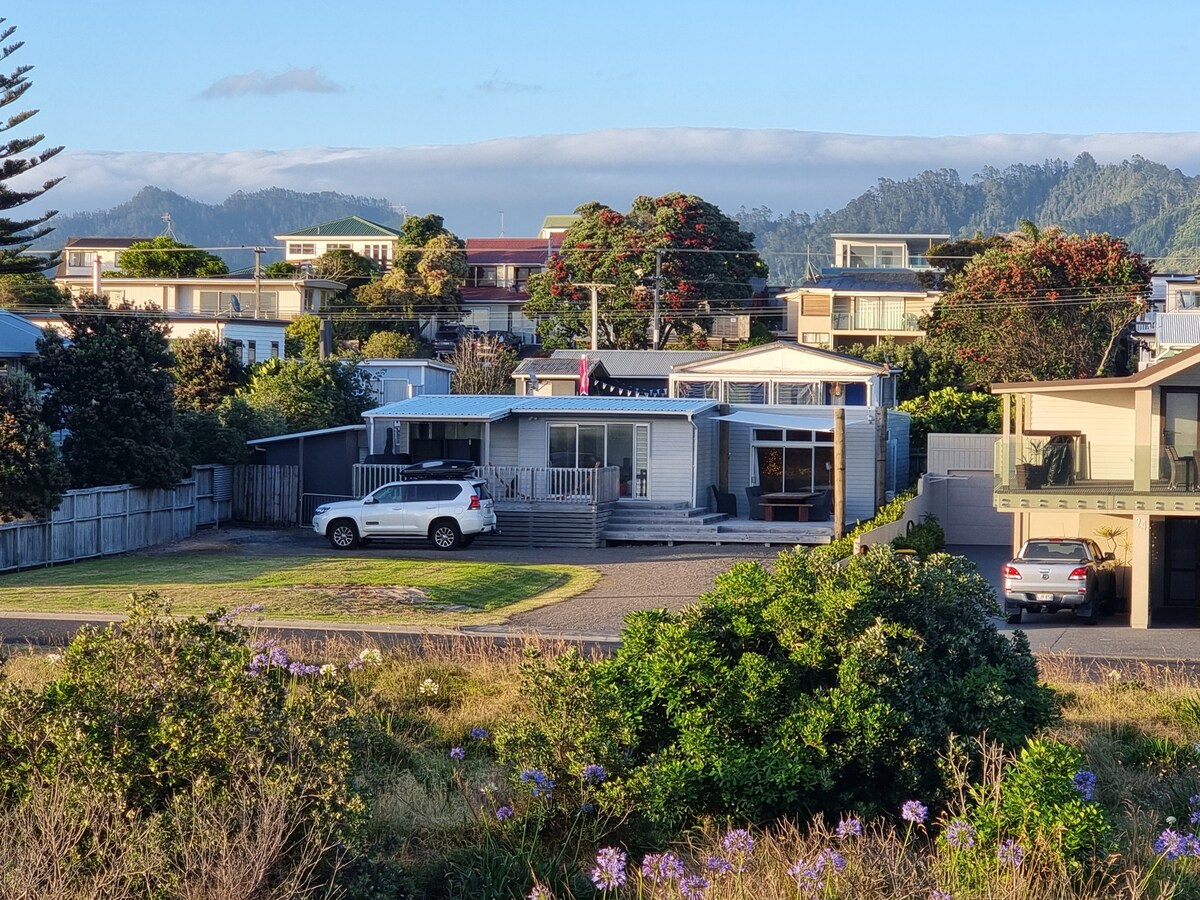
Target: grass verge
333 589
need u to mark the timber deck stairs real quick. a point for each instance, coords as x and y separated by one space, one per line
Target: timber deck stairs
632 521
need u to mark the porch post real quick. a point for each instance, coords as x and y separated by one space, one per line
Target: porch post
1139 573
839 471
1143 468
1005 439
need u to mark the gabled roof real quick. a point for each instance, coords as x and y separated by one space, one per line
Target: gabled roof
555 222
640 363
558 367
511 251
18 337
784 358
106 243
350 226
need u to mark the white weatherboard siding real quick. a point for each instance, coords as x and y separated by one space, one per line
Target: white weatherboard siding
672 464
860 472
1106 421
898 426
707 470
505 439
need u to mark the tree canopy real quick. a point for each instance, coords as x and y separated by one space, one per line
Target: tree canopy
165 257
32 477
16 235
1044 305
110 387
311 393
207 371
706 263
25 290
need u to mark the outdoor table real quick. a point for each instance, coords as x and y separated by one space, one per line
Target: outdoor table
802 503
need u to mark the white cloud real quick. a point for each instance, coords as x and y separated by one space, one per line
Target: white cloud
531 177
303 81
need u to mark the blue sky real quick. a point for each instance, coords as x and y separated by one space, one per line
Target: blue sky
255 78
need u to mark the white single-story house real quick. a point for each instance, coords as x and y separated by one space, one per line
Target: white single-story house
399 379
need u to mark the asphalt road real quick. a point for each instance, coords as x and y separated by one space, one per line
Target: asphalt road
632 578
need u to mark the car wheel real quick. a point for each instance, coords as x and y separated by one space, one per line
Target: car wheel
444 534
467 541
343 534
1087 612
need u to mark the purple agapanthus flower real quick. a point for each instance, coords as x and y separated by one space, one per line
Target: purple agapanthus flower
662 867
504 812
594 774
543 785
1171 844
609 872
914 811
939 895
458 753
960 834
479 733
1011 853
302 669
739 840
831 859
541 892
718 865
268 653
1194 803
849 827
810 876
692 887
1085 783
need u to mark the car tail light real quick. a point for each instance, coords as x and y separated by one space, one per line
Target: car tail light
1011 572
474 504
1079 573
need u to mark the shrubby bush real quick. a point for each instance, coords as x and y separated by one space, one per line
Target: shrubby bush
815 687
925 537
174 728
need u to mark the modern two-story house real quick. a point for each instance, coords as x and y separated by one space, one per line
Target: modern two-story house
362 236
880 285
1113 459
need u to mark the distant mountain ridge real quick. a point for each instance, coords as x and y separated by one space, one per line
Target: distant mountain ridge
1155 208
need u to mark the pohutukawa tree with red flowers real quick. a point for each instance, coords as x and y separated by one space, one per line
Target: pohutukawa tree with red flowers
699 259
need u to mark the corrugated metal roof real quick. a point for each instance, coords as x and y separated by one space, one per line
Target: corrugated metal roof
106 243
561 221
845 281
449 406
640 363
556 366
1179 328
494 407
305 434
648 405
350 226
17 336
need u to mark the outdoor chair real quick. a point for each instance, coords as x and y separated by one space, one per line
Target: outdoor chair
1182 468
753 492
821 507
726 502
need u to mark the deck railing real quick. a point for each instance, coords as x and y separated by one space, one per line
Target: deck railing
517 483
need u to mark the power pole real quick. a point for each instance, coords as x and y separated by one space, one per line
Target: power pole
258 252
594 287
654 327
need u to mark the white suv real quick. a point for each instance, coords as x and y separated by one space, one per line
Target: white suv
448 512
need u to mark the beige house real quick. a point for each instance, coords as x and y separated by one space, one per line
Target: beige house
1082 458
880 285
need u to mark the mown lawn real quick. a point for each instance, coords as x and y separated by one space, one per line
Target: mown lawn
322 588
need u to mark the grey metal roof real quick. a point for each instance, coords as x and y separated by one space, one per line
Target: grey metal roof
847 281
304 434
491 407
550 366
639 363
17 336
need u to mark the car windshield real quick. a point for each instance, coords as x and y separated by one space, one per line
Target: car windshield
1055 550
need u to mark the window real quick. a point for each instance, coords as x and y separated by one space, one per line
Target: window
814 306
798 394
1189 300
815 337
746 392
795 461
482 276
274 349
625 446
237 350
697 390
329 247
251 352
302 249
79 258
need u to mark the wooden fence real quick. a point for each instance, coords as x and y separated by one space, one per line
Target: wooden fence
100 521
266 495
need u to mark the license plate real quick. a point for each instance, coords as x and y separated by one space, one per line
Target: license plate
1045 598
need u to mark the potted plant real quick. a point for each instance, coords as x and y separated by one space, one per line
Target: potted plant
1031 469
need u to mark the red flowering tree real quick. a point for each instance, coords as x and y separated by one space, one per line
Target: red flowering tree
1043 305
700 259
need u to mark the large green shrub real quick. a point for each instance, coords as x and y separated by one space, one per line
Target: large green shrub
810 687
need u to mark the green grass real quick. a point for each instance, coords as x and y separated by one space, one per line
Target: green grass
323 588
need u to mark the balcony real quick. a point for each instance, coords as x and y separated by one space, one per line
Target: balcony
871 320
518 484
1068 471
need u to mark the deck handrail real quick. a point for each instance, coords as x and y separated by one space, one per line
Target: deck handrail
550 484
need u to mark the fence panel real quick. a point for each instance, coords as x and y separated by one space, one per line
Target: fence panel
266 495
100 521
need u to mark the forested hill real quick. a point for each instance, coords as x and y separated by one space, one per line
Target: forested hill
242 219
1155 208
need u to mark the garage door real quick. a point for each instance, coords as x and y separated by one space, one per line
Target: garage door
963 505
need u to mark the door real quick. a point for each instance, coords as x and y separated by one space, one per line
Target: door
1181 562
1181 417
386 514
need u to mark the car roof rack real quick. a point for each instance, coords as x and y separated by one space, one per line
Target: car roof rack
438 469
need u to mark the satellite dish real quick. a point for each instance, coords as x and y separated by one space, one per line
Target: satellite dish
234 304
